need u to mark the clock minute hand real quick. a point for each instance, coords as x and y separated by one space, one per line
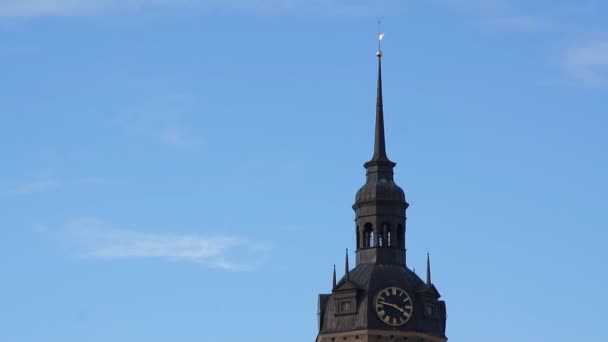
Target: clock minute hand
392 305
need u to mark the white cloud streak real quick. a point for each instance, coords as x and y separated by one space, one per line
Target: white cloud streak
42 8
176 137
38 8
523 23
99 181
49 185
583 64
230 253
588 64
35 187
483 5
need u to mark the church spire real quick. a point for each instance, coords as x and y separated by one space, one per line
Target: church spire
428 269
380 204
379 140
380 301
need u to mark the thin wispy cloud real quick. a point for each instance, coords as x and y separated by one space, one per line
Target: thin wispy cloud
163 119
35 187
500 13
523 23
48 185
98 181
588 64
97 240
43 8
583 64
39 8
483 5
176 137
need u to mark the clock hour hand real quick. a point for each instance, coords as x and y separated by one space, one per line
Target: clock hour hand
392 305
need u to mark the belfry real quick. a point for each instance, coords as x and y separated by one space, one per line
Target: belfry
381 299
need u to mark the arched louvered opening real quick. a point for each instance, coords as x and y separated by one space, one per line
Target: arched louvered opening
385 235
368 236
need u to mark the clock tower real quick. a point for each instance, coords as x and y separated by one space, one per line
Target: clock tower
381 299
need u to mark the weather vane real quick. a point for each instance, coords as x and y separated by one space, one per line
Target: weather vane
380 38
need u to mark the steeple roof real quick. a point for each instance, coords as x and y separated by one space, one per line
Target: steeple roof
380 185
379 156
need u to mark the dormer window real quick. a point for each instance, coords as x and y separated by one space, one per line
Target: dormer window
346 302
431 311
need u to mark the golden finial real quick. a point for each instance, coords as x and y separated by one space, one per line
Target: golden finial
380 37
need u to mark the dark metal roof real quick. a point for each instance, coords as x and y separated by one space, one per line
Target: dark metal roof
383 190
379 141
380 184
368 280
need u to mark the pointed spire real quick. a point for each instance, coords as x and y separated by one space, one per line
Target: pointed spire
334 281
346 268
379 141
428 269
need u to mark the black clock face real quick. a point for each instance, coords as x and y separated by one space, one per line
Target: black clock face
394 306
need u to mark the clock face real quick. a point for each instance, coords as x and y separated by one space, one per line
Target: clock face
394 306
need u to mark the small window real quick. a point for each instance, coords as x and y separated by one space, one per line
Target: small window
346 305
430 311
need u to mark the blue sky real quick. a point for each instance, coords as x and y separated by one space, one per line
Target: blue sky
173 169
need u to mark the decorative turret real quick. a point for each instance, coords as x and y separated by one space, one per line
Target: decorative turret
380 204
334 279
346 268
428 269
